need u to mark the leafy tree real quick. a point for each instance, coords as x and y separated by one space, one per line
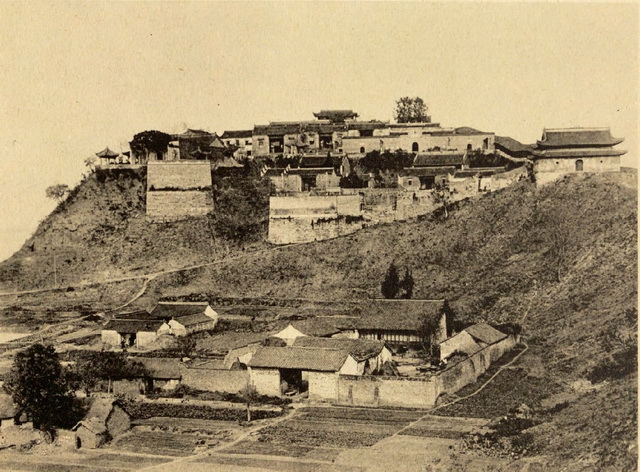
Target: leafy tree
185 345
411 110
407 284
428 330
90 162
352 181
57 191
38 385
94 367
391 283
376 161
150 141
249 395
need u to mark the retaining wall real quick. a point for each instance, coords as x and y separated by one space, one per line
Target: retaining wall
166 205
183 175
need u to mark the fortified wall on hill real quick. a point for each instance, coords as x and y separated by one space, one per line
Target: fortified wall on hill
305 217
178 189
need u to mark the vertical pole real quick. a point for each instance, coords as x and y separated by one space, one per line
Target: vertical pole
55 272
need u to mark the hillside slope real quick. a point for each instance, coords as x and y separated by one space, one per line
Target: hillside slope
100 232
560 260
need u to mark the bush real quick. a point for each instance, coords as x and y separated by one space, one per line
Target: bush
144 410
616 366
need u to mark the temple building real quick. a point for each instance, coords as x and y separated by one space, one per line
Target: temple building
574 150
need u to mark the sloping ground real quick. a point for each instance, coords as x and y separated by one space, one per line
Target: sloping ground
560 260
101 232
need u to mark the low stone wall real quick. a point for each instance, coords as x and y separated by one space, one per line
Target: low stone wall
387 391
302 229
419 392
215 380
165 205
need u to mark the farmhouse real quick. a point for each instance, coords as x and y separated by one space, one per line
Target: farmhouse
133 332
236 348
240 140
397 322
462 342
186 317
318 327
105 420
370 355
162 373
278 370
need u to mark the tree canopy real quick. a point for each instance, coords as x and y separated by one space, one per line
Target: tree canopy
57 191
94 367
411 110
39 387
376 161
150 141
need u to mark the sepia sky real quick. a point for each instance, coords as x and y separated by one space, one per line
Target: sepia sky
76 77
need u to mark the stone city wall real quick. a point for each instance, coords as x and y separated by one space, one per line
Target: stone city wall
185 175
166 205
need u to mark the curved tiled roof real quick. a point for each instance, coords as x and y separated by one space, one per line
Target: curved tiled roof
359 349
577 137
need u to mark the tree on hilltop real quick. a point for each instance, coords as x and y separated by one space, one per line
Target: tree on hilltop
411 110
150 141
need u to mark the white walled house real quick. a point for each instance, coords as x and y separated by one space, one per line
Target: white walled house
186 317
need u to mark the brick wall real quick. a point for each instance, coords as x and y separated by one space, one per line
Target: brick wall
215 380
548 170
177 205
178 175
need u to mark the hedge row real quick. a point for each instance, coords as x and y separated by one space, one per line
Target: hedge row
145 410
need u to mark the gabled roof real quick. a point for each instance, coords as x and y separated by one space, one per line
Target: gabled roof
133 326
485 333
466 130
95 425
228 340
323 360
195 133
101 408
317 326
274 172
193 320
161 368
244 133
106 152
359 349
168 310
438 159
577 152
135 315
577 137
512 146
397 315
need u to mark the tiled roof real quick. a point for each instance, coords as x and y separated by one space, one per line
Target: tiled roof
194 133
229 340
434 159
359 349
193 320
485 333
133 326
578 137
397 315
317 326
245 133
168 310
512 146
162 368
94 425
335 115
101 408
466 130
274 172
135 315
311 171
324 360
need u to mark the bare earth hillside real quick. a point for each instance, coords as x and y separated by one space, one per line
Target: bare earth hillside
561 260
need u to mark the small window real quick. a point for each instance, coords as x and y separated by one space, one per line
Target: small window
415 147
362 150
557 163
409 182
579 165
